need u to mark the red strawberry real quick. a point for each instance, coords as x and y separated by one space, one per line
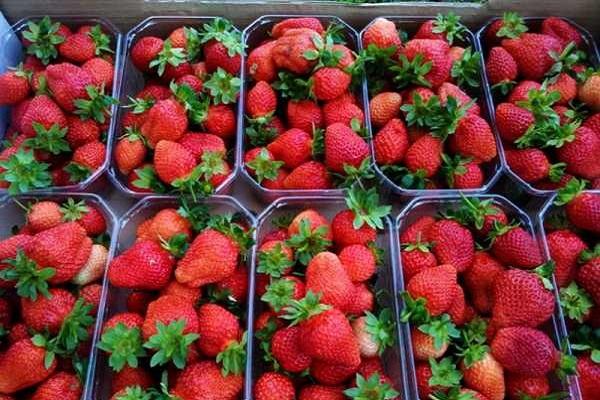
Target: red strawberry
531 165
325 274
204 379
588 92
218 328
416 257
304 114
330 374
288 51
593 123
280 28
501 66
434 51
315 219
417 231
480 278
128 319
44 215
192 81
519 93
381 33
68 83
359 262
424 155
329 83
155 92
512 121
448 89
589 377
486 376
14 87
165 224
81 131
259 63
516 247
467 175
129 153
535 387
217 55
42 110
583 209
321 392
345 234
47 313
261 100
383 107
200 143
91 294
166 120
22 365
167 309
153 267
565 247
562 30
78 47
391 142
531 51
102 71
293 147
129 376
588 277
474 138
8 250
172 161
581 154
274 386
436 285
343 147
62 385
144 51
220 121
343 111
285 347
211 257
90 156
565 86
453 244
311 175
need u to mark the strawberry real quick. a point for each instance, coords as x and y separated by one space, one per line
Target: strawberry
381 33
285 347
480 278
531 51
486 376
280 292
153 267
81 131
330 374
433 51
588 278
280 28
61 385
261 100
589 375
593 122
220 121
225 55
343 111
311 175
23 365
321 392
535 387
130 376
192 81
167 309
580 154
474 138
41 110
200 143
345 233
359 262
454 244
8 249
68 83
416 257
343 147
447 90
274 386
326 275
288 51
86 159
129 153
329 83
304 115
532 165
88 216
564 247
14 87
565 86
514 246
424 155
424 346
562 30
166 224
44 215
520 92
47 313
464 175
293 147
581 207
102 71
259 63
91 294
512 121
391 142
172 161
436 285
78 47
204 379
383 107
500 66
154 91
218 328
417 231
315 221
211 257
166 120
588 92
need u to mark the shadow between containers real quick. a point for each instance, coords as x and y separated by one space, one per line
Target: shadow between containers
430 205
393 359
9 41
99 380
134 80
251 37
531 22
410 24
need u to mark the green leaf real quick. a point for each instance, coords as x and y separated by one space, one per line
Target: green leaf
466 70
512 26
170 344
223 87
98 105
51 140
196 105
193 46
74 329
174 56
233 358
381 328
575 302
292 87
414 310
565 61
305 308
24 173
227 224
441 329
31 280
264 166
372 388
444 373
567 193
134 393
101 40
407 73
177 245
223 31
44 38
375 63
352 175
259 131
77 172
585 339
365 206
274 262
307 243
124 346
147 179
279 293
472 211
198 214
139 106
72 210
450 25
453 166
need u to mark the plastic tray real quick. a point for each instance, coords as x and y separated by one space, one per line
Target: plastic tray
11 53
533 23
386 280
100 375
431 206
253 35
493 169
12 214
133 81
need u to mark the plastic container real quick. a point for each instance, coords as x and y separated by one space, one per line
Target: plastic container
12 214
133 81
533 23
431 206
100 377
253 35
493 169
11 53
393 358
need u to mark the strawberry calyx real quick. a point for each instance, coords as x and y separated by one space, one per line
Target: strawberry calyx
371 388
441 329
545 272
139 106
133 134
282 221
466 70
233 357
354 176
98 105
31 280
423 247
193 45
565 61
405 178
147 179
293 87
223 87
72 210
101 40
575 302
557 171
589 255
124 346
134 393
195 105
24 173
374 62
51 140
308 242
21 72
454 165
570 191
177 244
323 53
174 56
504 87
585 339
513 26
279 293
223 31
567 366
43 37
450 25
444 121
414 310
264 166
77 172
381 328
454 393
259 132
305 308
472 211
548 133
229 225
408 73
170 344
500 229
366 208
539 102
273 262
444 373
472 345
197 213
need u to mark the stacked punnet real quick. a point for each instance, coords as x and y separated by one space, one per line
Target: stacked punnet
60 106
181 332
547 99
572 227
51 272
427 108
177 133
479 302
304 120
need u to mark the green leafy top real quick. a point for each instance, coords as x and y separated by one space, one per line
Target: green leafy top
540 102
124 346
134 393
264 166
444 373
365 206
259 131
323 54
198 214
193 46
279 293
227 224
472 342
570 191
77 172
375 62
73 210
512 26
147 179
24 173
565 60
414 310
453 166
31 279
352 175
44 38
223 31
290 86
233 358
174 56
308 242
98 105
274 261
588 255
454 393
544 272
575 302
548 133
472 211
305 308
223 87
101 40
372 388
170 343
441 329
585 339
466 70
450 25
51 140
177 244
413 72
196 106
139 106
381 328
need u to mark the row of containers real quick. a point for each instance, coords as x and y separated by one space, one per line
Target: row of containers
398 360
129 80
